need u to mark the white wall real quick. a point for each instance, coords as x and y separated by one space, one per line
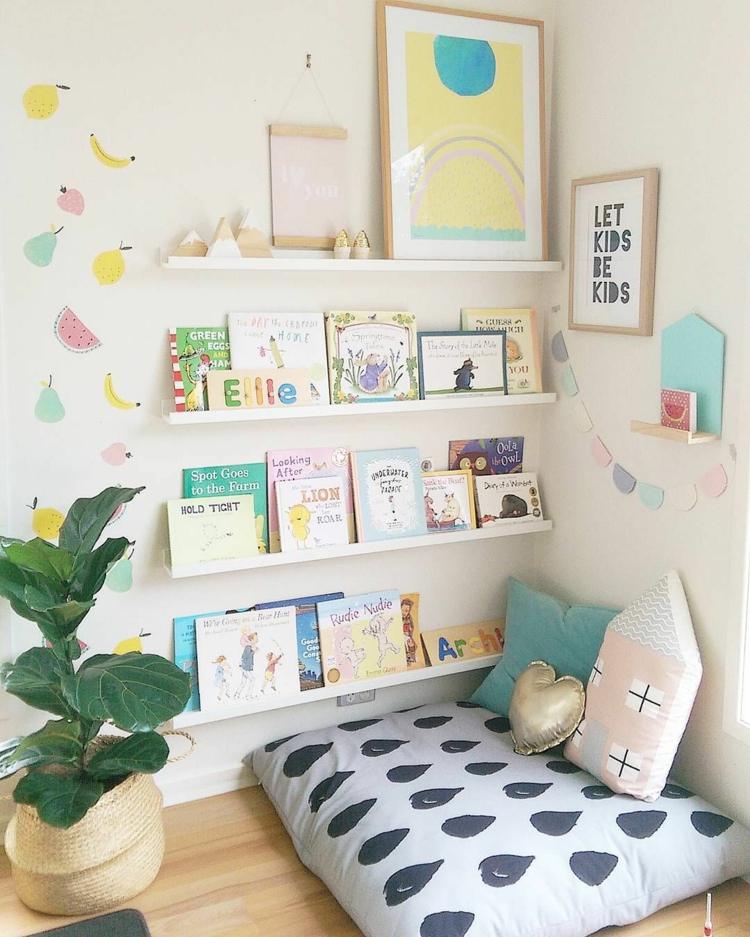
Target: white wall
655 83
189 88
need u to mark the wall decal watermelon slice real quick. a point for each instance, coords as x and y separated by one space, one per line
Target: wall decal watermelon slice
73 334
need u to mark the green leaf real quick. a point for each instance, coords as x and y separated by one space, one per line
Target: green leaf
5 542
59 620
88 517
142 753
91 569
42 557
60 799
56 743
14 580
35 678
137 692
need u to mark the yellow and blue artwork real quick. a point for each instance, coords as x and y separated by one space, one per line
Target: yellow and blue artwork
462 134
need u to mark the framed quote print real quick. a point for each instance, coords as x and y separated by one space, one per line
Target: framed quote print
462 134
613 252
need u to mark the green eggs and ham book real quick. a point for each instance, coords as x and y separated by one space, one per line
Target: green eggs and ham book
308 638
247 478
296 464
195 351
362 636
202 530
372 356
388 494
294 340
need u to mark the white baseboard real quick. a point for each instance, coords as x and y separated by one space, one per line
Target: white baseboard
181 789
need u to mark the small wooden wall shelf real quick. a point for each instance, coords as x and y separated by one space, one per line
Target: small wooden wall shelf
668 432
314 263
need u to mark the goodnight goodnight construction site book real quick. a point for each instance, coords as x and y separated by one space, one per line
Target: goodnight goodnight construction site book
388 493
362 637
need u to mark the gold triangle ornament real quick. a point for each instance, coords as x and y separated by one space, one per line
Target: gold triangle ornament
192 245
223 243
251 240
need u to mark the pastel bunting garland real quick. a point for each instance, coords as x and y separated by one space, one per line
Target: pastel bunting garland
711 484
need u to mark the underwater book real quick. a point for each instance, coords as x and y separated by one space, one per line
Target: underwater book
296 464
194 352
293 340
312 513
388 493
508 499
499 456
361 637
308 637
248 478
522 345
372 356
247 656
206 529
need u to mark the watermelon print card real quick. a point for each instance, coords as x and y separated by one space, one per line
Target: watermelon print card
294 340
194 352
452 363
388 493
679 409
73 334
372 356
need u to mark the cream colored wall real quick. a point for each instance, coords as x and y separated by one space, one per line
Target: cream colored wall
189 87
655 83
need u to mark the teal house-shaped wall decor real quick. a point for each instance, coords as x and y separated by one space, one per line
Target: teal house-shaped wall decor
692 358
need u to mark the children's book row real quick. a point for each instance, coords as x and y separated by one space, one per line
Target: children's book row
295 645
302 359
303 499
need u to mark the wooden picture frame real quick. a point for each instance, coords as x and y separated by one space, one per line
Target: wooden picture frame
613 221
422 219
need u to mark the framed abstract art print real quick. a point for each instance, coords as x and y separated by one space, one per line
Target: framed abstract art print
462 134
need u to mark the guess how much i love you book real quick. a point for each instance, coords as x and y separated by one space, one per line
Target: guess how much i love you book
362 637
388 493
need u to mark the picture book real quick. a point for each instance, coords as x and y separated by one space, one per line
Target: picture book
412 635
388 493
499 456
508 499
372 356
248 478
196 351
205 529
361 637
522 343
186 651
282 340
296 464
247 656
455 643
312 513
679 409
453 363
308 638
449 501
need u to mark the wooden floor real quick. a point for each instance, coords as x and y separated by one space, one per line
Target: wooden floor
231 871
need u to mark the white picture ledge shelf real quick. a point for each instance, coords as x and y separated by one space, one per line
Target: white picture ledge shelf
267 560
325 262
266 703
464 402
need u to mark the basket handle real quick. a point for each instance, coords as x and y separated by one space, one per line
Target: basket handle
185 735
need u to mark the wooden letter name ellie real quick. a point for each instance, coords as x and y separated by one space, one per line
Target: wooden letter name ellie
265 387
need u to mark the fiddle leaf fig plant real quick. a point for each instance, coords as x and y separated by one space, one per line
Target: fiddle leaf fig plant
56 587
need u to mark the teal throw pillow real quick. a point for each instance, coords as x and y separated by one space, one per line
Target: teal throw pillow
540 627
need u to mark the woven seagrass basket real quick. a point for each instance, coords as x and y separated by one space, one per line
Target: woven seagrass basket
106 858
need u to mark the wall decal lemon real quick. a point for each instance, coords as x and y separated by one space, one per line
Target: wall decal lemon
41 101
109 266
128 645
46 522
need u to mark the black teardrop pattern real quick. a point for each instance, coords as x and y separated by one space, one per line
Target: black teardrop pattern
597 792
446 924
272 746
640 824
358 724
373 748
675 792
432 722
467 704
408 882
304 758
345 821
326 789
504 870
563 767
524 790
401 774
377 848
457 746
433 797
467 826
555 822
499 724
483 768
710 824
592 868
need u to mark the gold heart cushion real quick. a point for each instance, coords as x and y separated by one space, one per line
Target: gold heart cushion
544 711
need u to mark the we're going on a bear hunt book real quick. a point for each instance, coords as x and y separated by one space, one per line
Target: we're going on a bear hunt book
361 637
388 494
195 351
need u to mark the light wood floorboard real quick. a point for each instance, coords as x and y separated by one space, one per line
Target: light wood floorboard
231 871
